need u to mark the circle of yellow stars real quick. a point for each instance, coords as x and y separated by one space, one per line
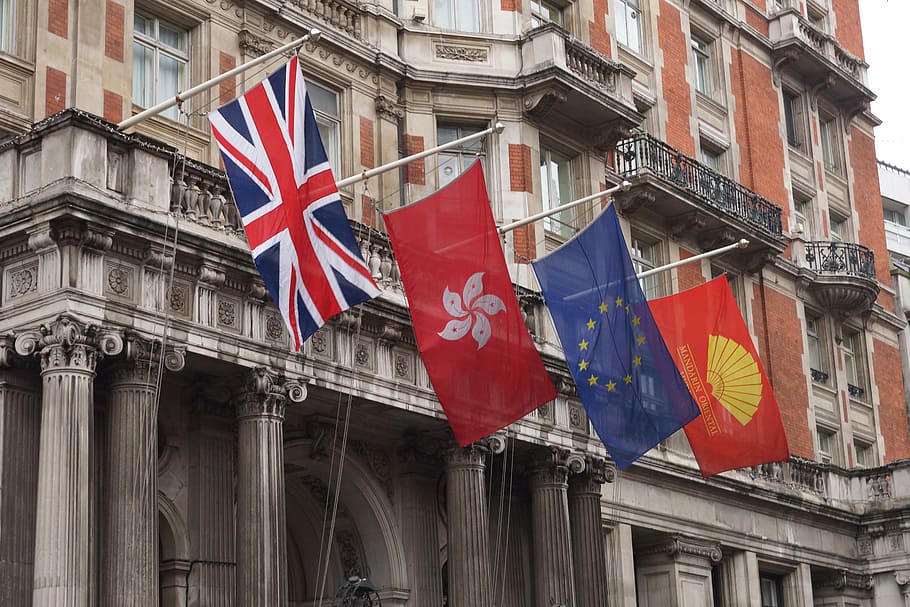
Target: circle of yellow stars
583 346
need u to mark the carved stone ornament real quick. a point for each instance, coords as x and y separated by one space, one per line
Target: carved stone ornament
472 456
677 546
22 280
453 52
388 109
902 579
551 466
253 45
69 343
266 393
844 578
274 327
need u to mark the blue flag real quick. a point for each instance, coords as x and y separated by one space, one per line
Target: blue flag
625 376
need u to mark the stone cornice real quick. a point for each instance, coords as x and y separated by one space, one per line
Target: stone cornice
676 546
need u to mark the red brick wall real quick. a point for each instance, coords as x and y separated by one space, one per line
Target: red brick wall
416 172
891 409
113 106
510 5
58 17
367 155
113 31
868 203
520 168
755 17
55 91
848 31
689 275
757 118
368 215
597 29
227 90
524 240
677 93
784 365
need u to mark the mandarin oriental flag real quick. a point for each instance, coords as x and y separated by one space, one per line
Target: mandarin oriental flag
740 424
290 208
624 374
471 335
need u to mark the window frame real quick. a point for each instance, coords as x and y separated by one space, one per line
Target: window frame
838 227
830 142
896 213
538 18
453 22
804 211
153 42
463 154
703 54
326 121
651 286
852 349
830 443
867 449
626 10
8 26
777 587
552 222
794 119
821 374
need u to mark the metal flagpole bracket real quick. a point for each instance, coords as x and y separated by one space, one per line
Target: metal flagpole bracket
624 186
313 35
741 244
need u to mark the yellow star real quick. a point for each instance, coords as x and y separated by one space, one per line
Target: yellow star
636 321
583 365
619 302
627 379
611 386
583 344
603 308
640 340
636 361
591 323
592 381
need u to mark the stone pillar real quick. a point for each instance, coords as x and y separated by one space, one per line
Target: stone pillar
588 549
68 351
798 587
261 530
468 528
418 473
740 580
676 571
20 415
129 574
622 569
554 582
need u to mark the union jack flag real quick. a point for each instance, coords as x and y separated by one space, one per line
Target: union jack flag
291 210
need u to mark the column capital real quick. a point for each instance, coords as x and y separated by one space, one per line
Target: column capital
552 465
474 455
265 394
678 546
67 342
902 579
596 472
843 579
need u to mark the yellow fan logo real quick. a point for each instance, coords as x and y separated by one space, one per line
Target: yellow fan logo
734 377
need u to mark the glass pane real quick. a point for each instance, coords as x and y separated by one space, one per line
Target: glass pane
143 25
172 36
468 15
143 70
322 99
6 25
621 24
170 82
634 29
329 133
442 14
445 134
449 167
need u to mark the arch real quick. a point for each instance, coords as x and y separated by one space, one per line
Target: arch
172 531
369 515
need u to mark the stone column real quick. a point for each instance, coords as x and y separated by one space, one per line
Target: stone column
129 573
798 587
261 530
676 570
20 415
68 351
468 528
622 570
553 564
588 549
418 471
740 580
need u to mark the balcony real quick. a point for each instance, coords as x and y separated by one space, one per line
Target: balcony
694 199
840 274
575 88
819 60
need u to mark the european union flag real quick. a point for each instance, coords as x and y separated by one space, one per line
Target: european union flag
625 376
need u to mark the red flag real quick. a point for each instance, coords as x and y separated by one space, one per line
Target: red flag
470 331
740 423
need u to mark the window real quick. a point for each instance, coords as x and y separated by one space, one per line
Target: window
458 15
850 347
646 256
453 161
159 62
711 158
838 228
895 216
556 189
863 454
795 119
325 109
803 215
702 52
6 25
830 143
772 591
817 366
628 24
543 11
825 446
817 19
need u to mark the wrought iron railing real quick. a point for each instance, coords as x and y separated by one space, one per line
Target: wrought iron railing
644 152
819 376
843 258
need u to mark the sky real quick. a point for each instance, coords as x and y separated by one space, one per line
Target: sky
886 45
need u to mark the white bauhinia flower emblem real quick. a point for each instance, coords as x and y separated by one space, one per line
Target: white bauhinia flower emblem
477 307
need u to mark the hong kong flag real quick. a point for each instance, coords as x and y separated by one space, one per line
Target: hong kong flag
470 331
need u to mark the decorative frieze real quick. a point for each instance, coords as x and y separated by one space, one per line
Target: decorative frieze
453 52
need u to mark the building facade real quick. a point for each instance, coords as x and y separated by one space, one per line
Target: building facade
161 445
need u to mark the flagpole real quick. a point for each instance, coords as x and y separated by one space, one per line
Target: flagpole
742 244
313 36
531 219
496 128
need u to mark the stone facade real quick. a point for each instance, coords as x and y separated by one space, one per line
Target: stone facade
160 444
